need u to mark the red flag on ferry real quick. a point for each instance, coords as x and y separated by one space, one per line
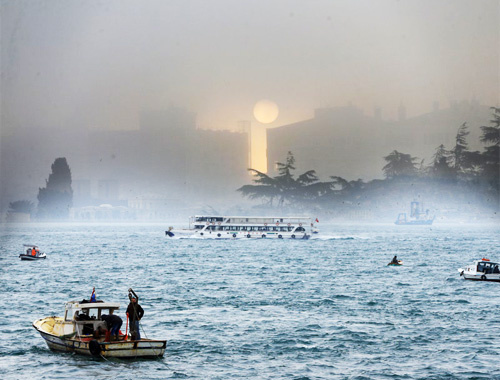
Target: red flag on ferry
317 221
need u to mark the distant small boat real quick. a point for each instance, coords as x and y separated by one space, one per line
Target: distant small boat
32 253
481 270
418 216
400 262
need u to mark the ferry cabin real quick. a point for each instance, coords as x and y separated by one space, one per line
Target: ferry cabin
251 227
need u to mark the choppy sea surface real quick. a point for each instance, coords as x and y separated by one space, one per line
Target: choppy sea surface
326 308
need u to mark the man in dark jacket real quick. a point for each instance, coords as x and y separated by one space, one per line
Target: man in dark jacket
135 313
113 322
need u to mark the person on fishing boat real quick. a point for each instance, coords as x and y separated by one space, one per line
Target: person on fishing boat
92 297
394 260
135 313
113 322
33 251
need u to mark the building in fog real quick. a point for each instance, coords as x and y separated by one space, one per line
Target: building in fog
336 141
167 157
345 142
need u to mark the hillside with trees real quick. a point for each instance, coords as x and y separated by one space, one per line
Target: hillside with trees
457 181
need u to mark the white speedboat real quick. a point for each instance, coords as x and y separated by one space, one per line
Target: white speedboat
246 227
80 331
481 270
32 253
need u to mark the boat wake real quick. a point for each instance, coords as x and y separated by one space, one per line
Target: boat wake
334 237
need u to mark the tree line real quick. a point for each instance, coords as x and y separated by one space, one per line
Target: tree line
457 165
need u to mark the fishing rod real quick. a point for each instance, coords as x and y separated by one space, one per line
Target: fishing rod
131 294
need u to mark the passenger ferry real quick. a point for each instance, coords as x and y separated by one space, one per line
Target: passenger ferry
248 227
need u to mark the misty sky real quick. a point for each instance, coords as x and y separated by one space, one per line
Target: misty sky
98 63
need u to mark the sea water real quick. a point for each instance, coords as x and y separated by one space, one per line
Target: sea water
325 308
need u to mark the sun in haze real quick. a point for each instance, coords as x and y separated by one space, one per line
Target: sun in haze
265 111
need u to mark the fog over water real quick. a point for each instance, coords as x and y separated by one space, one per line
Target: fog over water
129 92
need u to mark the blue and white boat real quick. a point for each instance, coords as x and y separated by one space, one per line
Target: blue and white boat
417 217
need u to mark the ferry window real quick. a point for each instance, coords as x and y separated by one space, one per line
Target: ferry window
243 228
480 267
281 220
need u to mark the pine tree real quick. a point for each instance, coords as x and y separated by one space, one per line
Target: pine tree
399 164
440 167
491 154
55 200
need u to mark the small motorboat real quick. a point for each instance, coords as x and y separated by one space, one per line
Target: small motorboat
400 262
82 330
481 270
32 253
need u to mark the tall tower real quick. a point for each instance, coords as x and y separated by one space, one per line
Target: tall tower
245 126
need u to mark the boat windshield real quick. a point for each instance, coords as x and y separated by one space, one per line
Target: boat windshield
70 313
487 267
92 313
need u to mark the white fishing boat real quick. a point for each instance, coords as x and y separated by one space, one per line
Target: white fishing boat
80 331
481 270
246 227
32 253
